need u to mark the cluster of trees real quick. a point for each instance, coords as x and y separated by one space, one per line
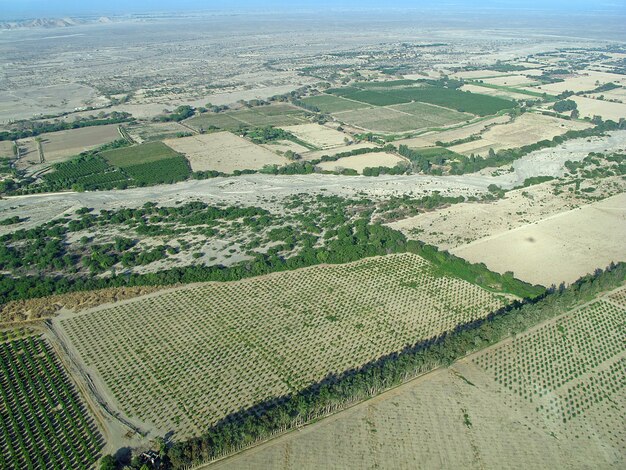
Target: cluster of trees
564 106
246 427
24 129
180 114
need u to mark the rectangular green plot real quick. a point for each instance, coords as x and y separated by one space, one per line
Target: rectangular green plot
138 154
222 121
168 170
435 114
277 110
481 105
254 118
384 120
387 84
333 104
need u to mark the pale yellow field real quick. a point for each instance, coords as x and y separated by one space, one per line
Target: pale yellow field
560 248
427 140
477 74
224 152
314 155
360 162
524 130
475 415
320 136
494 92
584 81
589 107
284 146
511 80
62 145
615 94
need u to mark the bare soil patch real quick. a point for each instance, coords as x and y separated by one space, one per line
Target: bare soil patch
589 107
317 135
225 152
558 249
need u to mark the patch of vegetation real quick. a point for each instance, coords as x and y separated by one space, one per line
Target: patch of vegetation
138 154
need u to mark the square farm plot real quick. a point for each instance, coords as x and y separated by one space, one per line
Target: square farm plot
212 349
224 152
333 104
360 162
317 135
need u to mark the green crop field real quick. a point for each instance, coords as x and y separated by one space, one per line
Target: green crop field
333 104
138 154
44 423
213 349
481 105
260 116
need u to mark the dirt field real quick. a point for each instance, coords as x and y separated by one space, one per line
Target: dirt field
359 162
524 130
495 92
589 107
149 131
231 345
464 223
284 146
584 81
510 80
618 94
225 152
319 136
487 421
60 146
558 249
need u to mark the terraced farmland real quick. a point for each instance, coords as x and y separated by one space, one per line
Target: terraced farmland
44 425
213 349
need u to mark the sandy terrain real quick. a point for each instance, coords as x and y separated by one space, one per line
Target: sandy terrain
320 136
524 130
6 149
316 154
589 107
30 102
359 162
560 248
463 408
464 223
225 152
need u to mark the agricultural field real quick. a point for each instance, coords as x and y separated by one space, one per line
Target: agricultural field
224 152
62 145
44 422
550 397
584 81
230 346
510 81
261 116
589 107
481 105
333 104
151 131
318 136
402 117
360 162
616 94
526 129
495 91
557 249
138 154
317 154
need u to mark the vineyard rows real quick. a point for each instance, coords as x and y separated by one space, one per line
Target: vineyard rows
569 367
187 358
43 422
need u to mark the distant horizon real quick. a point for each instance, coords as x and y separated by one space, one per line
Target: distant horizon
30 9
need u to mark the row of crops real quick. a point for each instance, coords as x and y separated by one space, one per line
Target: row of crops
93 172
474 103
275 334
43 422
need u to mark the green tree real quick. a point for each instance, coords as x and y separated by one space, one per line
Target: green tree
108 462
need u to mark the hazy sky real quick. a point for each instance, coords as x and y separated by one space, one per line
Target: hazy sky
39 8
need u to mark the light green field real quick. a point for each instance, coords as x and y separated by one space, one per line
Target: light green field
261 116
137 154
216 348
434 114
333 104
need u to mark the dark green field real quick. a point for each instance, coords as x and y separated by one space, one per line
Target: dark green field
138 154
